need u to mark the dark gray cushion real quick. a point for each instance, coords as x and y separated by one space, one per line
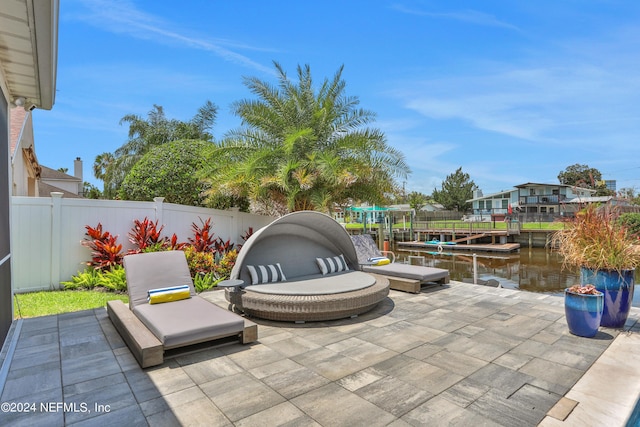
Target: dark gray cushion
188 321
416 272
295 241
155 270
317 284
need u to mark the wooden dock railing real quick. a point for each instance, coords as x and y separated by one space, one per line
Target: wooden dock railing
456 227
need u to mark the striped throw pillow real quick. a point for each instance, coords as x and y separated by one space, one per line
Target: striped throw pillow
332 264
266 273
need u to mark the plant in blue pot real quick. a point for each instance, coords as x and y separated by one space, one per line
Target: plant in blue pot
583 306
604 250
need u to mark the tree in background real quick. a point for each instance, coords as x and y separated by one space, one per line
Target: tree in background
629 194
456 189
585 177
580 176
145 134
169 170
90 191
417 200
102 170
302 148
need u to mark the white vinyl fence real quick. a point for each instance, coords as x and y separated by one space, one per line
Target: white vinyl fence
46 232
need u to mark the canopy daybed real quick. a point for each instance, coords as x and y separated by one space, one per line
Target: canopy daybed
303 267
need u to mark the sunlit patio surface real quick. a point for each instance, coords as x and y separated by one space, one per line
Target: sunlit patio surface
456 354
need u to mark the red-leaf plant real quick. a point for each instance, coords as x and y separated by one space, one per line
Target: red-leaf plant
174 245
223 247
106 252
246 236
203 240
145 234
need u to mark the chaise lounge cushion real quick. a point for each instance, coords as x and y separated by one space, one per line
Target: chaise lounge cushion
179 323
416 272
188 321
155 270
318 284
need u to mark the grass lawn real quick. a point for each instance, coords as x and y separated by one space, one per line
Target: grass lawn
44 303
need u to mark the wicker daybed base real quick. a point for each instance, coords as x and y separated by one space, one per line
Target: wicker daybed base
310 308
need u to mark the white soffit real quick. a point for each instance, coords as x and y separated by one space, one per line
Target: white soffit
29 50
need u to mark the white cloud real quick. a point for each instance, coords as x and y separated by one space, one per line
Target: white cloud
123 17
536 104
469 16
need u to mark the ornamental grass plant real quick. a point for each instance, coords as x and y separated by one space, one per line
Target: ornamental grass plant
596 240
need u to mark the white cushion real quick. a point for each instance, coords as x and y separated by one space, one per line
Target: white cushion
332 264
266 273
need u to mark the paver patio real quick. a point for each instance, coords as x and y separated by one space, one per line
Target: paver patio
458 354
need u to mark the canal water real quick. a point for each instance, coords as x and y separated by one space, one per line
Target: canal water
530 269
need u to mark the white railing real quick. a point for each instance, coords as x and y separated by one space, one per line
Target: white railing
46 232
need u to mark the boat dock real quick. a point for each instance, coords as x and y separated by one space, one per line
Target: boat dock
443 246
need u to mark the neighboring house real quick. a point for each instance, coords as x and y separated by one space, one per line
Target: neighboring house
25 170
552 198
28 65
492 204
533 198
29 178
54 180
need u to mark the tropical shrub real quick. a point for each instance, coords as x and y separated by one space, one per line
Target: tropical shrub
91 278
224 267
632 222
105 250
145 233
114 279
205 281
222 247
88 279
199 262
210 258
247 234
169 170
203 240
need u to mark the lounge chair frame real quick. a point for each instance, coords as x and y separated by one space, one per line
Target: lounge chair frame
149 349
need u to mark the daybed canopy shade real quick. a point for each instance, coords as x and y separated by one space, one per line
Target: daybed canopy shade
287 241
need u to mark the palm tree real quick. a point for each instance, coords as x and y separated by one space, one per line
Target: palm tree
302 149
153 131
102 169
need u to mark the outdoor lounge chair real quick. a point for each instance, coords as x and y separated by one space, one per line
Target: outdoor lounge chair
150 330
402 277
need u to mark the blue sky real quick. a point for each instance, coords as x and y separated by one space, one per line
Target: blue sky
512 92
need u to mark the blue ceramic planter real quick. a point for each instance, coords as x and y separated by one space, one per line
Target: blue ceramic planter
583 313
617 288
